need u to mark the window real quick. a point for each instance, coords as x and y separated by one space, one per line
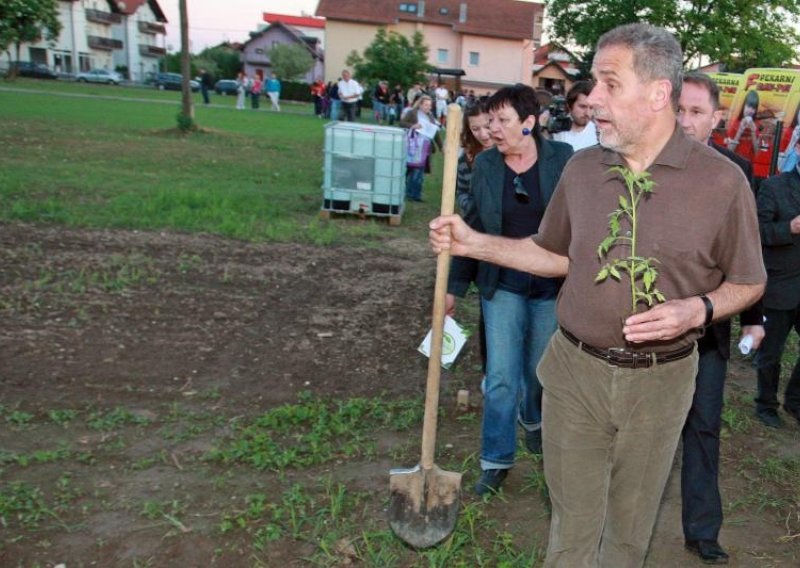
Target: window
474 58
441 55
259 51
444 11
409 7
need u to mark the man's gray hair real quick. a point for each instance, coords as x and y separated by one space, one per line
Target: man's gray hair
656 53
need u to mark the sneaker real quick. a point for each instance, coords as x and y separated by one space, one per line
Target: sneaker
769 417
490 481
533 441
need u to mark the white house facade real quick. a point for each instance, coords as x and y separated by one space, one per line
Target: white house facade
103 34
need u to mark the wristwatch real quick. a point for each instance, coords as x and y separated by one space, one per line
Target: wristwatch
709 310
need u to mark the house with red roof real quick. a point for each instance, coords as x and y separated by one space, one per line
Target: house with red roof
255 52
110 34
553 69
308 26
473 44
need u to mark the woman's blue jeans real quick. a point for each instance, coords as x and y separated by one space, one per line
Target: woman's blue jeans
518 330
414 180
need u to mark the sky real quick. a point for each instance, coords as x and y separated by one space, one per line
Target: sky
214 21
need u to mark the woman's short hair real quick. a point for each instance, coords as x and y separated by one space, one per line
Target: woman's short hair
521 98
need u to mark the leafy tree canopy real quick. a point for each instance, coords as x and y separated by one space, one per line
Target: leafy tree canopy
392 57
290 61
221 60
738 33
27 21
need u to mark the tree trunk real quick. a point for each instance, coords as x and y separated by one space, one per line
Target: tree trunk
187 108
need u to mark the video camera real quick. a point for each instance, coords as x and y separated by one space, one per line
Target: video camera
560 120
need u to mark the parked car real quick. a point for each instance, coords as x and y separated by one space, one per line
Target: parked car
99 76
172 82
226 87
36 70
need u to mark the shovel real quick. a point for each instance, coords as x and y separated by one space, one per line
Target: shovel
424 500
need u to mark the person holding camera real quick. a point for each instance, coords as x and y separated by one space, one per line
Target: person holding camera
582 133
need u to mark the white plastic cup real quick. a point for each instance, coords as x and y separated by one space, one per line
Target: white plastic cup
746 344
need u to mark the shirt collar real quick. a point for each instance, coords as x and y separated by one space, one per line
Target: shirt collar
674 154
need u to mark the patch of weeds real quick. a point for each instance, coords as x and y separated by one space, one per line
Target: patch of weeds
62 417
35 457
296 514
65 493
19 419
113 419
314 431
735 418
186 425
377 548
149 461
23 505
772 483
211 394
116 274
469 417
188 263
167 513
535 481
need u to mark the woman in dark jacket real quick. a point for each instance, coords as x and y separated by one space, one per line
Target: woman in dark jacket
511 186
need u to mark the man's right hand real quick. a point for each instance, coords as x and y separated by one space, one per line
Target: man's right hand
450 232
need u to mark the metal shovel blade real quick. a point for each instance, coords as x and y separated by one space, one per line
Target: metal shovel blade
423 505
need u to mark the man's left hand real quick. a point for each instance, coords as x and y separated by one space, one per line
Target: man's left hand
756 332
666 321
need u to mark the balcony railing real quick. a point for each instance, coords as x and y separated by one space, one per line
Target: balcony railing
152 50
100 17
152 28
97 42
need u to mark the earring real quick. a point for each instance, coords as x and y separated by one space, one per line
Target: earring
526 131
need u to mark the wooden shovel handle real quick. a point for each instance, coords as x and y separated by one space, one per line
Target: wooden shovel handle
451 146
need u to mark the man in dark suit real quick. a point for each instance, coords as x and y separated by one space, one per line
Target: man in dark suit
698 114
779 224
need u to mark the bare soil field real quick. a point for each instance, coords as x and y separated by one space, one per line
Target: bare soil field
130 363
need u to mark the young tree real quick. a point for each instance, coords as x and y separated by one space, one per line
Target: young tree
737 33
27 21
290 61
392 57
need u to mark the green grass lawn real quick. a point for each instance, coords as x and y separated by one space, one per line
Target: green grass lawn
100 156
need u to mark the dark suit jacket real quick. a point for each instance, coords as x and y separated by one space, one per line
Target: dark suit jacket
486 216
746 166
718 335
778 203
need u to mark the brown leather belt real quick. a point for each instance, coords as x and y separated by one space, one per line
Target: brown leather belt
622 357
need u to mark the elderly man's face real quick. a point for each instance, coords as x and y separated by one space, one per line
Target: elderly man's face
620 102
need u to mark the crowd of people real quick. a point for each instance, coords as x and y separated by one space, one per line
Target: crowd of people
602 394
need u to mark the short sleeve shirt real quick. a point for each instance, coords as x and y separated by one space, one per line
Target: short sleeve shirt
699 223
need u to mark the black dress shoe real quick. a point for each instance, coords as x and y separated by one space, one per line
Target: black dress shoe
769 417
709 551
490 481
533 441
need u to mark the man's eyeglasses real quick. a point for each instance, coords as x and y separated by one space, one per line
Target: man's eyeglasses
520 192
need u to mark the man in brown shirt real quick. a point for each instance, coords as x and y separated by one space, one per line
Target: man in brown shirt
617 387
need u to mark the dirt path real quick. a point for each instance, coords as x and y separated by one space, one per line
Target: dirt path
151 322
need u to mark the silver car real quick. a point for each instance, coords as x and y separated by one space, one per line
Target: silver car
99 76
